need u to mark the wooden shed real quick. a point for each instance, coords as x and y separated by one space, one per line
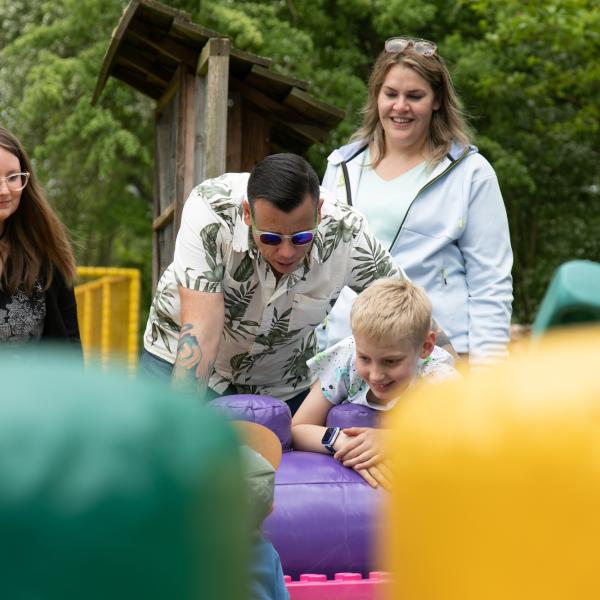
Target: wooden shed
218 108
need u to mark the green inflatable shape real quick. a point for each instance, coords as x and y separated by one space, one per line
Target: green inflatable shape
113 488
572 297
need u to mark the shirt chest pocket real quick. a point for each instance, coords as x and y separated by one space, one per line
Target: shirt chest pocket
308 311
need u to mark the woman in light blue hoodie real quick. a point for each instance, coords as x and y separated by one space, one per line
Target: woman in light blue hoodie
431 197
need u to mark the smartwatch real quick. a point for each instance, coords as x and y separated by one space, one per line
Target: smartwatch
329 437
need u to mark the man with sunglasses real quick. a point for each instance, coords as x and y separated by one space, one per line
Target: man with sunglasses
259 260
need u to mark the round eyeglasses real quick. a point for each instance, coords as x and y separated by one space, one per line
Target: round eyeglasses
395 45
15 182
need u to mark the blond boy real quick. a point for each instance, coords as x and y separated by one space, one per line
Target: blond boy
392 346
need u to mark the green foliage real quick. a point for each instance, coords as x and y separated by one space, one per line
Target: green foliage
94 161
531 79
527 72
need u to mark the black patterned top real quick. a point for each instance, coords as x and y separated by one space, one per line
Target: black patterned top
21 316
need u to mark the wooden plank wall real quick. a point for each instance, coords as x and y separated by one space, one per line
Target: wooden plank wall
174 164
186 134
255 137
164 188
233 159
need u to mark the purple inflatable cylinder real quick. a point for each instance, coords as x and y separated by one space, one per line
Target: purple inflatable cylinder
325 516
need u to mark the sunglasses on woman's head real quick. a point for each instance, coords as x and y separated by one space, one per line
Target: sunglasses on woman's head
396 45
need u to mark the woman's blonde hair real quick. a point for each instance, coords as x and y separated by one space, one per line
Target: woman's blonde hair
37 241
448 123
392 309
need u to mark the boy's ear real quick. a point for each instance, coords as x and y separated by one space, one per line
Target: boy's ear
428 345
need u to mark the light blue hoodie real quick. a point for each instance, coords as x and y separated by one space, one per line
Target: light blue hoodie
454 242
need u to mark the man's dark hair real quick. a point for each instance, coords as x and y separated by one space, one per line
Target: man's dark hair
283 179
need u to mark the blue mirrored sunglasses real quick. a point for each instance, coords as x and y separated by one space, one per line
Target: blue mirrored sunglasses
274 239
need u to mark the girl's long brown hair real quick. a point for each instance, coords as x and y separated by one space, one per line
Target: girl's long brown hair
36 240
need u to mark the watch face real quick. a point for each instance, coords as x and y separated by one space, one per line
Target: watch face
329 438
326 439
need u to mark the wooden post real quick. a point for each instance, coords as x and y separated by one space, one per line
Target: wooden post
213 65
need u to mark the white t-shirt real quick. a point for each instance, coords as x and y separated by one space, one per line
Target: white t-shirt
385 203
335 368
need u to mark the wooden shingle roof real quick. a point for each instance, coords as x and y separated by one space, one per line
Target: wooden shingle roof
152 40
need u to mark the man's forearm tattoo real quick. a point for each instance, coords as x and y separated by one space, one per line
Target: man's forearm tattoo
188 363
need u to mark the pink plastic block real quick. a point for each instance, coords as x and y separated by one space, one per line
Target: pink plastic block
380 575
348 577
313 577
344 586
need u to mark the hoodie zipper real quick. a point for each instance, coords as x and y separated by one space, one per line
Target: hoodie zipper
451 166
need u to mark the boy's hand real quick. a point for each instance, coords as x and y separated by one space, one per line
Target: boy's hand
342 444
349 441
364 448
377 476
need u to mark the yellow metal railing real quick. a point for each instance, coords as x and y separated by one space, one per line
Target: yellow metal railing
108 312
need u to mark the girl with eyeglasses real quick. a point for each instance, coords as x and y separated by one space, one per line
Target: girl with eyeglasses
37 266
430 197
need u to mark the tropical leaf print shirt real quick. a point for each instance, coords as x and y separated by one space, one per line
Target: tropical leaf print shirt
269 326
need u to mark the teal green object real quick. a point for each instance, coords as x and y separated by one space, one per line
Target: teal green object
113 488
573 297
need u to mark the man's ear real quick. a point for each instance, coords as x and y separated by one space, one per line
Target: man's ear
246 209
319 205
428 345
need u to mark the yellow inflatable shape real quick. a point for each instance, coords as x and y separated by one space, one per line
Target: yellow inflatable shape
497 481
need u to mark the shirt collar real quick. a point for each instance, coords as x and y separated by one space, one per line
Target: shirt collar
242 239
314 255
